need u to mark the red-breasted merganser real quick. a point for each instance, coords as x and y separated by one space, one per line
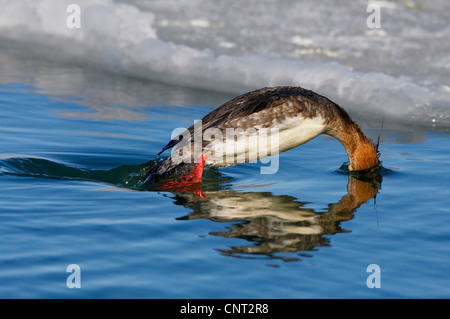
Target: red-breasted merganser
292 115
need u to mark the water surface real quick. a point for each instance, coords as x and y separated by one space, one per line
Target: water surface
79 128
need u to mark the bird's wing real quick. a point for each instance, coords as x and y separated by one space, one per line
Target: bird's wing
237 112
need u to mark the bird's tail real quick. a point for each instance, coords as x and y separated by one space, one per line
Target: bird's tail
168 173
163 169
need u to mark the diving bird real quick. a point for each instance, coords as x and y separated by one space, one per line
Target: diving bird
262 123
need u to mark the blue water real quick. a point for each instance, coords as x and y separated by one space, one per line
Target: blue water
70 164
84 111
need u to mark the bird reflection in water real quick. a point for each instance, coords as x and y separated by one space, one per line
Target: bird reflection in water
274 224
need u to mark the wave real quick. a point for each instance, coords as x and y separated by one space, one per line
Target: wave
126 176
124 38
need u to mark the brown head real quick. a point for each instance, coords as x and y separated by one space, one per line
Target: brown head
362 153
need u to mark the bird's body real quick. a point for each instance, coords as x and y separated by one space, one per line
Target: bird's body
267 122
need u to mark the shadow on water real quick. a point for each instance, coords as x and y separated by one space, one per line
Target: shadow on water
270 224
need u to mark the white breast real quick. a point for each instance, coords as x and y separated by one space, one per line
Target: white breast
255 143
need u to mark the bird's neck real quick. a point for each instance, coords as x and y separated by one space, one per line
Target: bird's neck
361 153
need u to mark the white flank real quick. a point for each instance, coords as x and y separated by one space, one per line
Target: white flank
257 143
298 131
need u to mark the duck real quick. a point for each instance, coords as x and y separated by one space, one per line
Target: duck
258 124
